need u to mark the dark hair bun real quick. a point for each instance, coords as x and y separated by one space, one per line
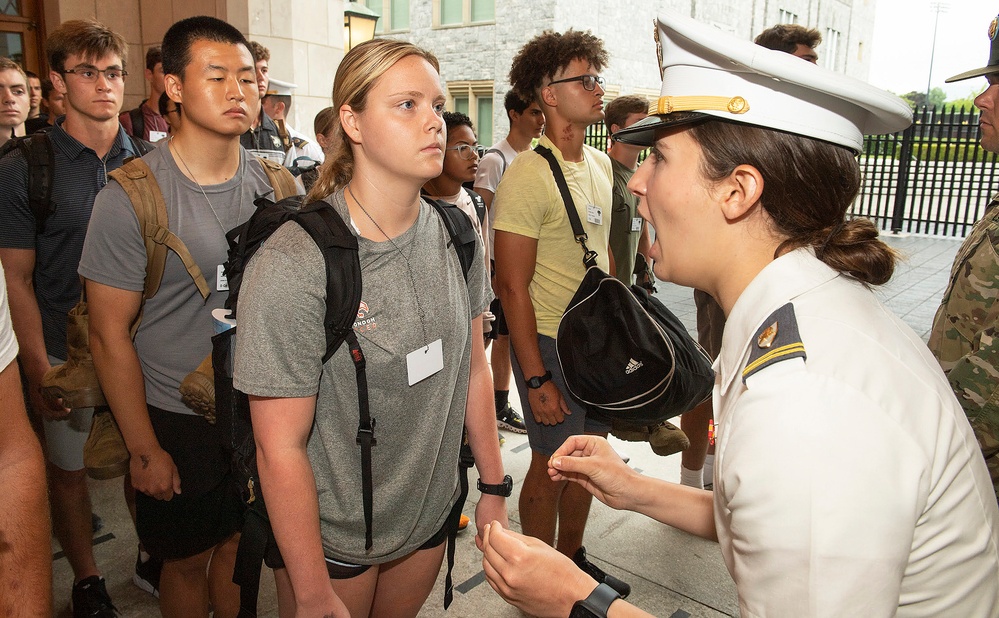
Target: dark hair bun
854 248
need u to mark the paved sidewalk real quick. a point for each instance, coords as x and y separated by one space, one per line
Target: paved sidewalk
671 573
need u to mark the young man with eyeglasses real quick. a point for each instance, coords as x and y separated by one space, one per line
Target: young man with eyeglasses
88 67
461 160
539 266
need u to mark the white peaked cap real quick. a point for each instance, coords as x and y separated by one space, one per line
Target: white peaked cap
709 72
276 86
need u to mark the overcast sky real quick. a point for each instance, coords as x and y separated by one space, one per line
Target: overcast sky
903 37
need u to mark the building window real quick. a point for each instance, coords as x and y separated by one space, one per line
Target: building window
463 12
475 100
395 15
786 17
830 44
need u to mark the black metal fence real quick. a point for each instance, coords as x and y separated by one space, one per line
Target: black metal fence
596 136
933 178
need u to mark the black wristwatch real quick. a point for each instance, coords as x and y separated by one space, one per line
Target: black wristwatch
503 489
537 381
595 605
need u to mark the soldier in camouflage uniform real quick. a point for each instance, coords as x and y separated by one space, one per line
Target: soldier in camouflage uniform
964 337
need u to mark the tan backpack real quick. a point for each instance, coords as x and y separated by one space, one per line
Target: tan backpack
75 381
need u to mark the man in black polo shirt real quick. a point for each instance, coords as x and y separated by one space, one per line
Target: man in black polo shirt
88 62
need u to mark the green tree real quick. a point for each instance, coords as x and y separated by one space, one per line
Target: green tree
966 102
918 99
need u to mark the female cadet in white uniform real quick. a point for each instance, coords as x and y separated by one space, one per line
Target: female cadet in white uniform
847 479
427 374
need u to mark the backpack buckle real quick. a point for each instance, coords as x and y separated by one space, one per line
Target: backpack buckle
366 434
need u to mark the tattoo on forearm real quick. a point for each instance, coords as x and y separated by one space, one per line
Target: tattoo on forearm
145 461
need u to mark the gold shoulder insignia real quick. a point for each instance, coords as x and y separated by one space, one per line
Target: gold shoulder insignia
777 339
298 142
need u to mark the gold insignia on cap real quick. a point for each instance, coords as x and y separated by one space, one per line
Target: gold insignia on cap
766 338
738 105
668 105
992 30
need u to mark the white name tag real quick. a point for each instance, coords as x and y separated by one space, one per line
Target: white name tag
636 224
594 214
155 136
425 362
221 281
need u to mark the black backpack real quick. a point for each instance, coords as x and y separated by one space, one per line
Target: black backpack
37 151
138 121
479 204
343 296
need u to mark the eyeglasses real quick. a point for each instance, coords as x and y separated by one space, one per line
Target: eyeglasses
589 81
89 74
467 152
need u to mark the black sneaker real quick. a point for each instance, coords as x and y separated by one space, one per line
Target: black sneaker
598 574
91 599
147 575
510 419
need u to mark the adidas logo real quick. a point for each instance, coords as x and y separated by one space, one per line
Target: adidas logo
633 366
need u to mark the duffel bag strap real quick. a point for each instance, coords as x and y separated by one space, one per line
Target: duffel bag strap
589 257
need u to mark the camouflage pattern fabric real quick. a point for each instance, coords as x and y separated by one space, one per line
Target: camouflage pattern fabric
965 339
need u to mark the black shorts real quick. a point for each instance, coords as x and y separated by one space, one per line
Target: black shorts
500 327
209 509
345 570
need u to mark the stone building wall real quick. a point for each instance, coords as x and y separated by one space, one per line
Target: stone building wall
478 54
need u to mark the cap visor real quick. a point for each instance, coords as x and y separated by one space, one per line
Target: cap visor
973 73
643 132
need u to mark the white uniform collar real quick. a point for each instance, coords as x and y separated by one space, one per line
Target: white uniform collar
781 281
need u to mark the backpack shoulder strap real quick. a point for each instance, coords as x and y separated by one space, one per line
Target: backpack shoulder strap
138 122
280 178
40 156
343 270
479 204
343 297
459 228
140 146
143 191
502 157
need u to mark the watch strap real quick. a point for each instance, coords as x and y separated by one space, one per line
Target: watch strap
503 489
598 603
538 381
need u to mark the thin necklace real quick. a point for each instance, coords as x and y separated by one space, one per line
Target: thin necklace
409 271
593 187
191 174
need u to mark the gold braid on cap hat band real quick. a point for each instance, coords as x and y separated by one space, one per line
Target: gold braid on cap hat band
668 105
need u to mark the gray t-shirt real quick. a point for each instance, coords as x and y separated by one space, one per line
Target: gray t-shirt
176 329
280 342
